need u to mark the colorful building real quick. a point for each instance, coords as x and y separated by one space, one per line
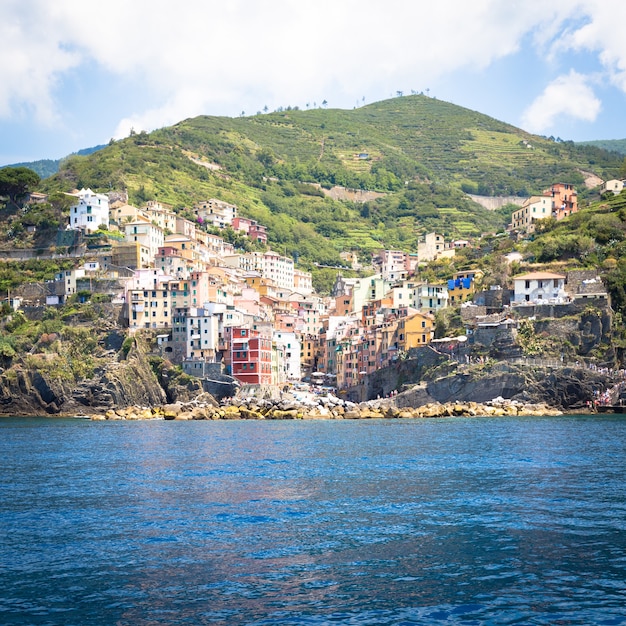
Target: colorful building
250 357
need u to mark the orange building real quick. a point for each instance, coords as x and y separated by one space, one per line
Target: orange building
564 200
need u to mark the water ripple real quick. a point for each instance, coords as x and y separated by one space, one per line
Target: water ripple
460 521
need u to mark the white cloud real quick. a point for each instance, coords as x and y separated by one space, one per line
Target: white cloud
32 60
209 56
603 34
568 95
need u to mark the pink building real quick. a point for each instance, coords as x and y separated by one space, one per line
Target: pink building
251 228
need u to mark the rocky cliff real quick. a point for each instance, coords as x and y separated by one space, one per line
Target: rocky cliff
566 388
118 380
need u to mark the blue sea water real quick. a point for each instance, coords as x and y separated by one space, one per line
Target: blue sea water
443 521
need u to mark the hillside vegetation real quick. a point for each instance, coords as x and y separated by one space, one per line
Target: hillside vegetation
423 155
47 167
613 145
593 237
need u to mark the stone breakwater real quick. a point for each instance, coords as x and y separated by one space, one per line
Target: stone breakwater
324 407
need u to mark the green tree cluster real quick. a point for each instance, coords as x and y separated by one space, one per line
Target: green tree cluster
16 183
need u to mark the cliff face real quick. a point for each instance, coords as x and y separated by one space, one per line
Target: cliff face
564 388
116 382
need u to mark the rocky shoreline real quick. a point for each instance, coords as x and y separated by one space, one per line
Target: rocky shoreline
322 407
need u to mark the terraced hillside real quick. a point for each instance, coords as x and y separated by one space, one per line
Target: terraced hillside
420 154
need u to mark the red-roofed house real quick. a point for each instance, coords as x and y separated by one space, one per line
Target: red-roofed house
539 288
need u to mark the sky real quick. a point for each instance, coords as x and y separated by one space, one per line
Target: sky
77 73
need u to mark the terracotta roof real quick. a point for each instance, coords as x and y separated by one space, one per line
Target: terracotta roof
538 276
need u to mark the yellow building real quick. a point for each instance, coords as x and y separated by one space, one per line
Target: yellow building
133 255
415 330
462 287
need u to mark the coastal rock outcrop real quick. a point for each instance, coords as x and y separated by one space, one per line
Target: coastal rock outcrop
565 388
116 382
326 407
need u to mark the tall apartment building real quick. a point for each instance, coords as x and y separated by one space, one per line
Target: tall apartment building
250 356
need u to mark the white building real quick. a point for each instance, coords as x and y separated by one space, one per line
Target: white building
533 209
248 262
278 268
161 216
90 212
291 348
146 233
539 288
197 332
433 246
430 297
216 212
613 185
65 283
394 265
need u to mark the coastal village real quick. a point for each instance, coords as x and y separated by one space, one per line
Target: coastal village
254 316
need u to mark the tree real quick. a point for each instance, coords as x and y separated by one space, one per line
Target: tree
61 201
16 182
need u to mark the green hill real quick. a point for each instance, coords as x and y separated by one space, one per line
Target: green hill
47 167
423 155
612 145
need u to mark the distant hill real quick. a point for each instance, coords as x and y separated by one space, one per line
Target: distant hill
47 167
614 145
422 155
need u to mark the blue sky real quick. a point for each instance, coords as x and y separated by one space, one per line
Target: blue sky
76 73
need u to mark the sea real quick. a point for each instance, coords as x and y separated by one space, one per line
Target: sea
515 520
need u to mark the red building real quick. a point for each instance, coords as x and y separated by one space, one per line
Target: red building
251 357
